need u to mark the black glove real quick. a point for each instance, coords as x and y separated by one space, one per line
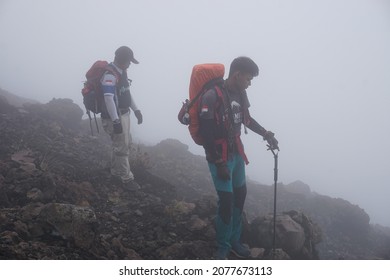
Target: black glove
117 126
138 115
222 171
269 136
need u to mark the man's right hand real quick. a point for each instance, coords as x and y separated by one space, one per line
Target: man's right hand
223 171
138 115
272 142
117 126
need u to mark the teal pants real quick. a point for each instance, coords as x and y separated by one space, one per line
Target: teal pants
231 199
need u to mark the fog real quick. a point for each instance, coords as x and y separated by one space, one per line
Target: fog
323 87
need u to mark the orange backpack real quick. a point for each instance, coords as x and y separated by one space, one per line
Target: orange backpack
203 77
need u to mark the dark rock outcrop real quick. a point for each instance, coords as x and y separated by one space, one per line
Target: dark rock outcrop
64 112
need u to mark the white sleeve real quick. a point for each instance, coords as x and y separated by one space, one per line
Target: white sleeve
111 107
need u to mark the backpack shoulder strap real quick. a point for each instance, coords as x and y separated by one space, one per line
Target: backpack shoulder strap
219 92
225 102
111 69
222 98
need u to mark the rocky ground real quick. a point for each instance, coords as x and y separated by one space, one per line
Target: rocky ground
346 229
58 202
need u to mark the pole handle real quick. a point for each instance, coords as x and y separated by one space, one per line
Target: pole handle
272 149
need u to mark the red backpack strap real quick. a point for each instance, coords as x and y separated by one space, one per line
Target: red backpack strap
219 103
222 100
237 138
219 92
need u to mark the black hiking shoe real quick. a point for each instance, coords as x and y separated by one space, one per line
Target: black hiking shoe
106 173
131 185
116 180
222 253
240 250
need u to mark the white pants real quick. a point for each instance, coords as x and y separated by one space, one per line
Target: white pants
120 165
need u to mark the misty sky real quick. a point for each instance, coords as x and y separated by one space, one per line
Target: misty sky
323 88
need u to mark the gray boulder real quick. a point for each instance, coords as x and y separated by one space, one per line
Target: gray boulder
71 222
295 234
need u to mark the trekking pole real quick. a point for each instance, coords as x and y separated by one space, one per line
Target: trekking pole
97 126
275 185
90 121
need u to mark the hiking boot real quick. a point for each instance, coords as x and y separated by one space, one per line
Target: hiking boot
240 250
131 185
115 179
106 173
222 253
